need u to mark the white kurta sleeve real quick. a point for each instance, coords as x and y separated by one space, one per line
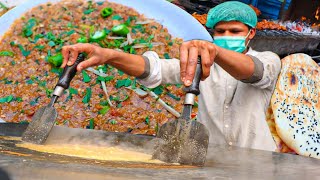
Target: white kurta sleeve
162 71
271 69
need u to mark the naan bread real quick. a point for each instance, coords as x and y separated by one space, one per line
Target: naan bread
295 104
281 146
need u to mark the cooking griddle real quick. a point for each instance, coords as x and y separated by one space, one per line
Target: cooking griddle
223 162
8 147
65 135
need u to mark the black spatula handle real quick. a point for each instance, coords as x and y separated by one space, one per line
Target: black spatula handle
194 87
69 72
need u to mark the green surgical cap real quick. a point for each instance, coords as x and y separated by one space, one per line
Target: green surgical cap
232 11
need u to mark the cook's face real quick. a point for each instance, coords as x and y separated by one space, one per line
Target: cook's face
233 28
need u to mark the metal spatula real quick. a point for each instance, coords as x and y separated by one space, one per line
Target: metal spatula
184 141
43 120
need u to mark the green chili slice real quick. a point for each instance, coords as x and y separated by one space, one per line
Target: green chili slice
121 30
106 12
56 60
82 39
98 35
6 53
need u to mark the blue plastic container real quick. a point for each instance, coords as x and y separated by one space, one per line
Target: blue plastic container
270 9
253 2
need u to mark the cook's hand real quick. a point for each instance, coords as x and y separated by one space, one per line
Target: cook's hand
189 52
96 55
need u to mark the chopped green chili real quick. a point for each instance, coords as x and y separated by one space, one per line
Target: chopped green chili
113 121
57 70
56 60
106 12
104 110
121 30
49 92
6 53
82 39
97 36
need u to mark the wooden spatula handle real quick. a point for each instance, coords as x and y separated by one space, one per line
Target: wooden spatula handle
194 87
69 72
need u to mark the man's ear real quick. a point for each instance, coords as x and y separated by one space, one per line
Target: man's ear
252 33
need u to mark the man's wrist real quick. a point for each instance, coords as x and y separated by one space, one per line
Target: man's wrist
218 52
110 55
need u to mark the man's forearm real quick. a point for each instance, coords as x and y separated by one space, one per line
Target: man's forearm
240 66
131 64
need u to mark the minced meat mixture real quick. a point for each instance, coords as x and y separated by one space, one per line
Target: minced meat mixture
27 79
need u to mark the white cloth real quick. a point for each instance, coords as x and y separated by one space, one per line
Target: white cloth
233 111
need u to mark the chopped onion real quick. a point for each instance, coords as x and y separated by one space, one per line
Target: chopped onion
96 72
114 37
145 22
151 93
104 87
124 44
160 101
129 39
143 93
143 45
117 49
138 91
157 43
139 46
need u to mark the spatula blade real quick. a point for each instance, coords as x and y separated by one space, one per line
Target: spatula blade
184 142
40 126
